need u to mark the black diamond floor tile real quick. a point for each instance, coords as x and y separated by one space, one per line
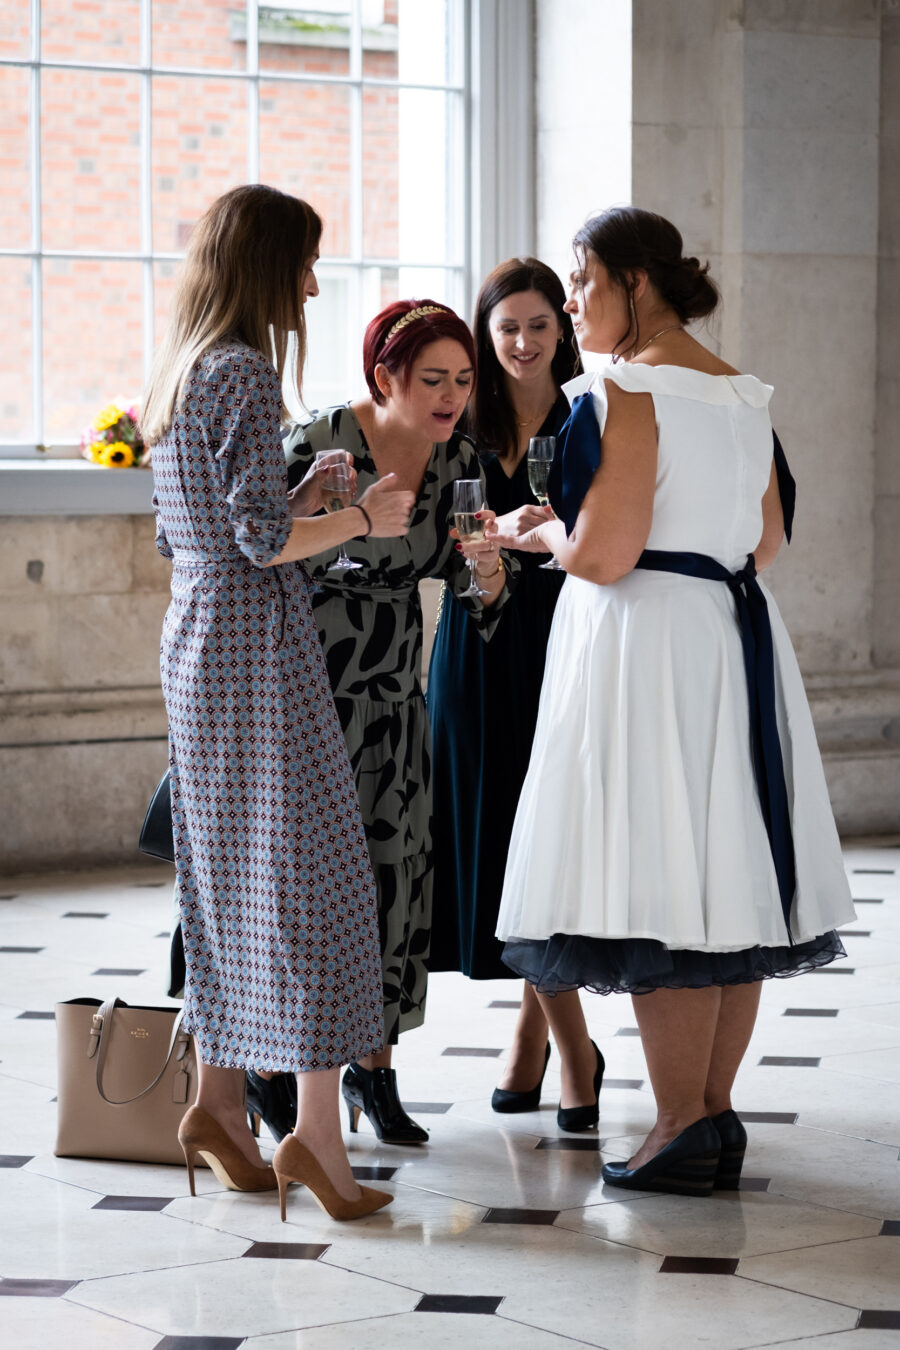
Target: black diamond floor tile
834 970
628 1031
150 1203
163 935
473 1051
117 970
35 1288
147 885
426 1108
868 900
7 897
84 914
287 1251
810 1012
768 1117
632 1084
873 871
855 932
36 1016
570 1145
879 1319
373 1173
791 1061
199 1343
890 1228
535 1216
458 1303
21 950
500 1003
698 1265
15 1159
754 1183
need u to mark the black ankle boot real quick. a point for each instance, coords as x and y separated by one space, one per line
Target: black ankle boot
273 1100
374 1091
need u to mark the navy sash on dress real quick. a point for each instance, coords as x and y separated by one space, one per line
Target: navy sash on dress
578 456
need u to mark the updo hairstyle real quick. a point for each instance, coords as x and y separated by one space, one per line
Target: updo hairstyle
397 335
626 239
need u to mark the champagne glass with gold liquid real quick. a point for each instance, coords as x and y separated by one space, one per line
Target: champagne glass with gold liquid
336 497
468 499
541 450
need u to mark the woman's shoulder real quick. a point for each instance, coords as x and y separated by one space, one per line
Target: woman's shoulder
230 354
725 386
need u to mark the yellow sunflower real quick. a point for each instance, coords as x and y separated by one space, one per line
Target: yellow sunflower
107 418
98 449
117 456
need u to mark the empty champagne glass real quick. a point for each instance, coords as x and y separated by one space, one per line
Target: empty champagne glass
336 497
541 450
468 499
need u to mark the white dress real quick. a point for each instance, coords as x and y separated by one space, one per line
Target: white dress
640 817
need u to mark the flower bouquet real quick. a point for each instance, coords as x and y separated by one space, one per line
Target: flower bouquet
113 438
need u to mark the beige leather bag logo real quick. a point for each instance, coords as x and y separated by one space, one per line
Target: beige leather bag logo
126 1078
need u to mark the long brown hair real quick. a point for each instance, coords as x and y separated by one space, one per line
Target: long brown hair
242 277
490 418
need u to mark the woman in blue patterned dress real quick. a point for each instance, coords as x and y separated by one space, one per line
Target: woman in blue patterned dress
276 891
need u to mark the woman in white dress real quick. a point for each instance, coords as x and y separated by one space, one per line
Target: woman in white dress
674 837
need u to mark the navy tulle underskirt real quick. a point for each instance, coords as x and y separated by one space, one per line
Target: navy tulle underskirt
640 965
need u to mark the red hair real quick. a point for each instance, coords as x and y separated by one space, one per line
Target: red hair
394 341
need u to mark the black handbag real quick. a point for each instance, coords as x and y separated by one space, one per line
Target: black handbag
156 831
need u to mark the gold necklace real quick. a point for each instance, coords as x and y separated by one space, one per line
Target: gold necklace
538 417
671 328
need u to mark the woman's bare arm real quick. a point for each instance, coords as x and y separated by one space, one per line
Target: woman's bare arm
766 550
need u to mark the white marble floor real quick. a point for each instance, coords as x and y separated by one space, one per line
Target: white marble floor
501 1233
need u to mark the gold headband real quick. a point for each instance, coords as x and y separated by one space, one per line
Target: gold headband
411 316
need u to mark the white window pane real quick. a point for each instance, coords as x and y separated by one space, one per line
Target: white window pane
304 148
429 156
199 151
15 199
104 30
15 350
313 39
199 33
89 160
92 341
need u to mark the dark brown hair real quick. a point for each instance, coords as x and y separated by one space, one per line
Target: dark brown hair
243 276
397 335
490 418
627 239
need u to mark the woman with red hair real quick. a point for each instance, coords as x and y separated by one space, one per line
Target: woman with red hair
419 361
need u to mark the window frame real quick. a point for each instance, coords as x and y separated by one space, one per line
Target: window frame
494 96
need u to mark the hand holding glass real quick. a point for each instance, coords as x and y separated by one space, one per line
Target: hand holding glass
468 500
336 494
541 450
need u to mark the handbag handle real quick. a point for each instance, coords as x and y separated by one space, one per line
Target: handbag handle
102 1020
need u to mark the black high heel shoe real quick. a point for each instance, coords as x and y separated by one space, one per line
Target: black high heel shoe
374 1091
508 1102
577 1118
686 1166
733 1138
273 1100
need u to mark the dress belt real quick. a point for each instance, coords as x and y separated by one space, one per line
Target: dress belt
759 664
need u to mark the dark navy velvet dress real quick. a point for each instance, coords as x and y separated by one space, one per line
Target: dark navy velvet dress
482 701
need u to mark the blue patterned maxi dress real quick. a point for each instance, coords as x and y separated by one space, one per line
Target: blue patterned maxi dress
277 898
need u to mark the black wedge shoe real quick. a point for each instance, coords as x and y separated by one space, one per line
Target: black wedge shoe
686 1166
273 1100
508 1103
577 1118
733 1138
374 1091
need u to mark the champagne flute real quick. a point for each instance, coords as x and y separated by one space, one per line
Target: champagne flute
468 499
336 497
541 450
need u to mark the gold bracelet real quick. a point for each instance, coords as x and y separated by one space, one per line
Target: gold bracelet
487 576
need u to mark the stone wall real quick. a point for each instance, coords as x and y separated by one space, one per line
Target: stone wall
82 722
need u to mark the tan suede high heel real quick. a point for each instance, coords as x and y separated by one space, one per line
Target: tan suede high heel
201 1136
294 1162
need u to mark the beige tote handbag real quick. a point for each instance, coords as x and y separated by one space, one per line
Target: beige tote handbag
126 1078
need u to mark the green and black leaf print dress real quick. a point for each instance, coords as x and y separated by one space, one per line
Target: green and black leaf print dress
370 624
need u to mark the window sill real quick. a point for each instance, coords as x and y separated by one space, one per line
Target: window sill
72 487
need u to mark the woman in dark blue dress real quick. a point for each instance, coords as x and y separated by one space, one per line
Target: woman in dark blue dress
483 697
